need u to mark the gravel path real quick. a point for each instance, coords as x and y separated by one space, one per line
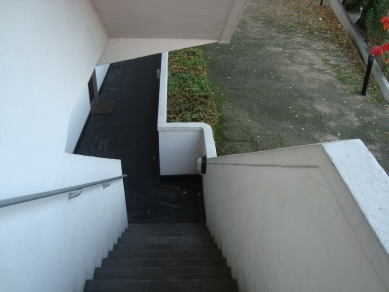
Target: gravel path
291 77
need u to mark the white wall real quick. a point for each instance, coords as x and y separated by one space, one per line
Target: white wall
54 244
48 50
180 144
101 71
81 111
179 150
308 218
77 120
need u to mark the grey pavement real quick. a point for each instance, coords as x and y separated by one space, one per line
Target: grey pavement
291 77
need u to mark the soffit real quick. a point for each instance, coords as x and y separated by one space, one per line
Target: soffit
170 19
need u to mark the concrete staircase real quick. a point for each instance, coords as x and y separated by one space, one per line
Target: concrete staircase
164 257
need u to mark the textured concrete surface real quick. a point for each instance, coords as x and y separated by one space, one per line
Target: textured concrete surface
290 209
289 78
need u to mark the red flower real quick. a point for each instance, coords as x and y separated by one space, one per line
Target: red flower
385 21
387 61
377 51
385 47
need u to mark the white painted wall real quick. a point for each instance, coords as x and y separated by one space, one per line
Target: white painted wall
77 120
81 111
101 71
308 218
48 50
54 244
180 144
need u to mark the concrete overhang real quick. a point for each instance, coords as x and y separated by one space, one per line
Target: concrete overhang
141 27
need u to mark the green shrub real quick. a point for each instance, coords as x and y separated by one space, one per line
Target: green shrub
190 96
372 22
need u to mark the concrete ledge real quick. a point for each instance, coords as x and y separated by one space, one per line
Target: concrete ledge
180 144
306 218
369 185
360 44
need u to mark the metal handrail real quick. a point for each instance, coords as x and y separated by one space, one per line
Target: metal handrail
77 189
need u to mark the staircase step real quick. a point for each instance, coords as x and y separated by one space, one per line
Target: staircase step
166 233
174 246
167 225
164 240
165 253
163 273
165 258
214 285
152 229
164 262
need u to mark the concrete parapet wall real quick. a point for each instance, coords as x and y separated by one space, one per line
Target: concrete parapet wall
180 144
307 218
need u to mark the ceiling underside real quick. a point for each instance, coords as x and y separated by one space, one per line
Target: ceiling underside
169 19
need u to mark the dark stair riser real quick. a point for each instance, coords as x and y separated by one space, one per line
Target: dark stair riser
130 234
164 262
162 229
165 253
162 258
167 225
166 240
203 285
163 273
172 246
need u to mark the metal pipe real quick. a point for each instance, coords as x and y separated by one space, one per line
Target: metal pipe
22 199
370 61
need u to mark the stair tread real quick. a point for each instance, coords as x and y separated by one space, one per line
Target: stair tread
164 262
163 273
122 285
166 233
166 239
163 229
167 246
164 257
165 253
167 225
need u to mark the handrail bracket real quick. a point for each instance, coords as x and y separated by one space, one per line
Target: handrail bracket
75 194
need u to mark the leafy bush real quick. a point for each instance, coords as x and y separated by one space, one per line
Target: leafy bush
190 96
372 22
370 25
